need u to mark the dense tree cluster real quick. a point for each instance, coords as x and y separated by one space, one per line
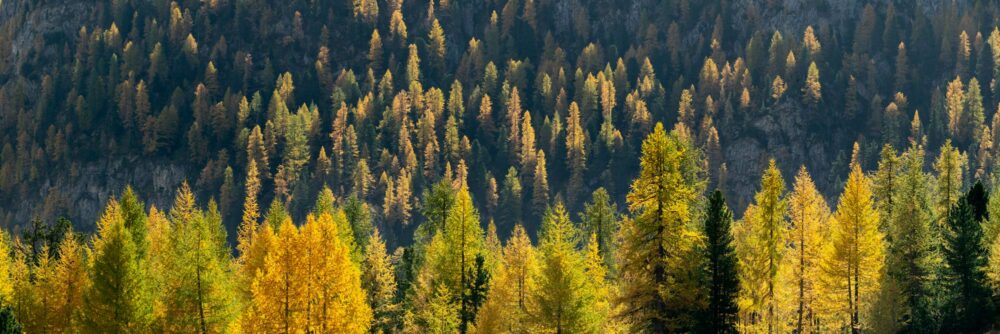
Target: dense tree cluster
676 261
501 166
529 101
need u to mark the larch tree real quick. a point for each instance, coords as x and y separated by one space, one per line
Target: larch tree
721 268
809 216
505 309
378 279
198 284
853 259
761 248
812 92
974 118
950 167
279 293
117 299
464 240
335 300
540 186
912 259
513 124
955 106
600 218
564 299
576 154
658 253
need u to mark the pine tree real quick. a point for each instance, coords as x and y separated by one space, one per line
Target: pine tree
659 246
969 307
854 257
9 324
721 269
117 299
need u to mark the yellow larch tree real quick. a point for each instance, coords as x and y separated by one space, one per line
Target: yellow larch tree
336 301
506 307
853 259
760 248
809 216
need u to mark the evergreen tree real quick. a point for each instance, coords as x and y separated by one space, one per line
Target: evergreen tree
969 306
721 269
8 324
509 211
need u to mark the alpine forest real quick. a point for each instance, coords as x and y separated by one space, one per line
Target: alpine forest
500 166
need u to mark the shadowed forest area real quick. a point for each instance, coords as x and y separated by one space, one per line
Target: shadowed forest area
499 166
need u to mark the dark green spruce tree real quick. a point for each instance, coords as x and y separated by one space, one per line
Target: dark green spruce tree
969 308
721 272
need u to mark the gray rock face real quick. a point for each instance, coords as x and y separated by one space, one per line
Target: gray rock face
82 197
37 23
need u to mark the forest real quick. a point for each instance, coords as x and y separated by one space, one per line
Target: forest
499 166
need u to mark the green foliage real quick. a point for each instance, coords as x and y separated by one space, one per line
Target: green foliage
969 307
8 324
721 268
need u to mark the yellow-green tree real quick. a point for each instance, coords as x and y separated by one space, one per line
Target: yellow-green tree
950 166
197 292
760 248
116 300
379 282
853 260
52 301
506 306
660 292
564 300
